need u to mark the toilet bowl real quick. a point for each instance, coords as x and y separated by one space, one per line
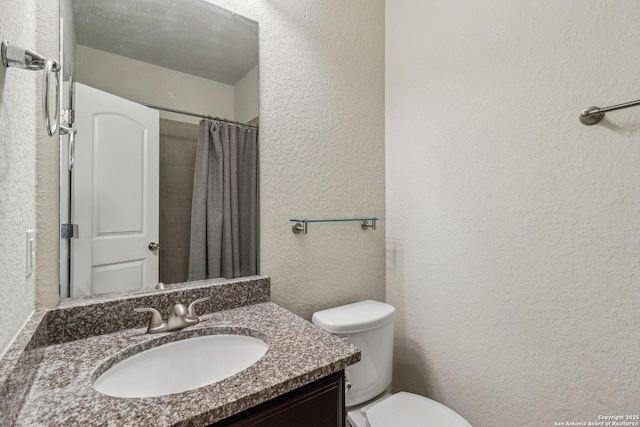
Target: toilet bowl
369 326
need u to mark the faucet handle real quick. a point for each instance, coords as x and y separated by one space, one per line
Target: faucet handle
191 311
156 324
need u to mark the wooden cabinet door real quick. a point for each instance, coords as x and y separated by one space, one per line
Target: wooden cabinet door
319 404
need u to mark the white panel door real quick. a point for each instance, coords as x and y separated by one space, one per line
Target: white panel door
115 183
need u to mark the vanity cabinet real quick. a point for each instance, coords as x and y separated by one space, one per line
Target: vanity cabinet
319 404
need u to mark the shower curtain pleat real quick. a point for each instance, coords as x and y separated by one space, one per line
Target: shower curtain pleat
223 215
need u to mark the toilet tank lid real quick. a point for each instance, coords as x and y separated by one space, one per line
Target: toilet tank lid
357 317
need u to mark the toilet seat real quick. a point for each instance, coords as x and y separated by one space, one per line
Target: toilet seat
411 410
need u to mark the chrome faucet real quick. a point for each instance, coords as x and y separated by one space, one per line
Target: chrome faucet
180 317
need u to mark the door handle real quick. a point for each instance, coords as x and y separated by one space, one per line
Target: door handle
153 246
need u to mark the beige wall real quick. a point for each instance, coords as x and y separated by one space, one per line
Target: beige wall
47 170
150 84
321 150
18 98
178 147
161 86
513 232
246 95
321 147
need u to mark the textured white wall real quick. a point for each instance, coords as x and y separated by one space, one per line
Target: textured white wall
321 150
321 147
150 84
17 170
47 170
513 236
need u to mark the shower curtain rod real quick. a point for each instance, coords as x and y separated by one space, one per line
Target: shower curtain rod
204 116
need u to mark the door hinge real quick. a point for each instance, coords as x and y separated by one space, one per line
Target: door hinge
67 116
69 231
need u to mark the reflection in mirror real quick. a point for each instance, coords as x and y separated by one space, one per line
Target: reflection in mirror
161 183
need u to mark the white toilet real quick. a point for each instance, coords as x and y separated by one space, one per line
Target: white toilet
369 326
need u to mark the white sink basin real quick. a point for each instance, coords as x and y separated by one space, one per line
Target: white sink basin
182 365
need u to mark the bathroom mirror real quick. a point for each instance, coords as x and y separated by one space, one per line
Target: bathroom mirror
140 77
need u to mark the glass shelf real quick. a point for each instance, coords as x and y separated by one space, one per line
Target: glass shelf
301 225
368 218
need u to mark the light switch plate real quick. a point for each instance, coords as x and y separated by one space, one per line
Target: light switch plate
30 257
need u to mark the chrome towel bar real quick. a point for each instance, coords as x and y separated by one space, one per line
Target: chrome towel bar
27 59
593 115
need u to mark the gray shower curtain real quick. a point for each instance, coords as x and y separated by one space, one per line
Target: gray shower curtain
224 206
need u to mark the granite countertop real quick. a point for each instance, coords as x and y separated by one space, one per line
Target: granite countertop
299 353
46 375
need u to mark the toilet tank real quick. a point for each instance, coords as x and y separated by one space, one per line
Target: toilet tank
369 326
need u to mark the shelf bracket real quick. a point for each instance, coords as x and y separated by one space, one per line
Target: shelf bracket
300 227
365 224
